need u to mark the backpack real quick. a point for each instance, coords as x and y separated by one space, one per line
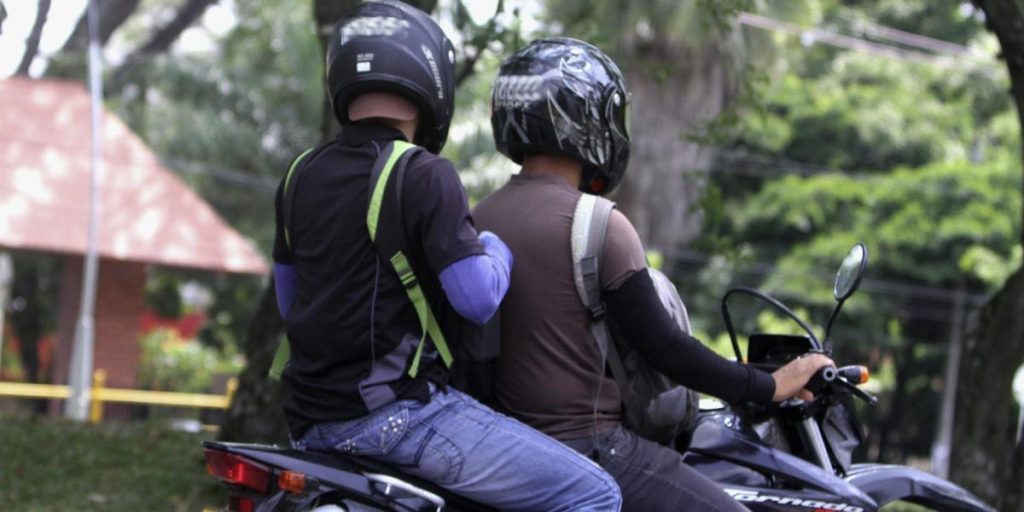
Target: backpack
385 192
654 406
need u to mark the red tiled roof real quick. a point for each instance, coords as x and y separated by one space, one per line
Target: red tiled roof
146 213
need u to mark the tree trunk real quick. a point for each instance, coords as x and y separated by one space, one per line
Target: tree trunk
255 414
987 458
890 437
1006 19
668 170
325 14
32 43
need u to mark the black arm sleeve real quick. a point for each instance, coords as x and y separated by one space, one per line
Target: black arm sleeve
639 314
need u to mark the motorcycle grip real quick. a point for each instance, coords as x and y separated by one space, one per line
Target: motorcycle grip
820 378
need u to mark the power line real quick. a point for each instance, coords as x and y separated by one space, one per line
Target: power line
911 39
222 173
811 35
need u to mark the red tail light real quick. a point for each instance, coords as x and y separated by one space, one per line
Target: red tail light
236 469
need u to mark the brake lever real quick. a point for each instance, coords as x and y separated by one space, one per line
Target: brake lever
858 392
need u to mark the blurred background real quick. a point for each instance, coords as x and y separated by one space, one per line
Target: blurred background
768 137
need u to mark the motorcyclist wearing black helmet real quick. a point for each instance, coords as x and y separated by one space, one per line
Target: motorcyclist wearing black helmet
559 108
359 380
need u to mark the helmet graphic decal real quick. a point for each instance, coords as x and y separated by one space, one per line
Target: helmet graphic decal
517 90
369 26
433 70
512 123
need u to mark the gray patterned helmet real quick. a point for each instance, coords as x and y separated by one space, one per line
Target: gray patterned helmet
564 96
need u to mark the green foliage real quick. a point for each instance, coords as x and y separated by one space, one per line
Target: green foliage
617 24
918 223
53 465
235 299
170 363
949 20
873 114
990 267
232 119
229 121
919 161
162 295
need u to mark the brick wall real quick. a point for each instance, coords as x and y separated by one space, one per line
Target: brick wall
119 302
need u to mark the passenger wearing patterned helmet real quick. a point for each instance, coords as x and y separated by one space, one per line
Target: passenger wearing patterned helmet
559 109
368 367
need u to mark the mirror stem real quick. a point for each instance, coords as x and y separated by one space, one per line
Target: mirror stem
828 327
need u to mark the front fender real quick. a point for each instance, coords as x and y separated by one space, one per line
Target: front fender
888 483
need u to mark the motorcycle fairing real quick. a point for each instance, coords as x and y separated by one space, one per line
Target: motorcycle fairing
760 499
719 436
842 433
887 483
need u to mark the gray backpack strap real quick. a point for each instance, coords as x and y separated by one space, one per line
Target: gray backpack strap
589 229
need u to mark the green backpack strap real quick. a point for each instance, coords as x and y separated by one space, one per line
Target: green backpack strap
389 237
288 197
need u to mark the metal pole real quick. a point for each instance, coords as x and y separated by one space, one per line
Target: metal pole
6 274
80 374
942 446
1018 395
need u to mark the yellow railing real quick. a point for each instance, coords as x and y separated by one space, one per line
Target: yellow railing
102 394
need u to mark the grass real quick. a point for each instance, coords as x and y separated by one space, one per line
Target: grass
48 464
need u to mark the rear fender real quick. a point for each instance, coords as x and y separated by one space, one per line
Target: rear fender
888 483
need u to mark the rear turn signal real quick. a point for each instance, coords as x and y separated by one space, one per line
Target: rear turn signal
292 482
236 469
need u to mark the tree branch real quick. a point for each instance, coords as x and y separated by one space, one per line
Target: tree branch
3 16
32 43
113 14
159 42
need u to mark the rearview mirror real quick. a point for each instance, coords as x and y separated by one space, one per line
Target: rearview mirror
850 272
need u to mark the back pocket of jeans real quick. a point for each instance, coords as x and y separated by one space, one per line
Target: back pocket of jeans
373 435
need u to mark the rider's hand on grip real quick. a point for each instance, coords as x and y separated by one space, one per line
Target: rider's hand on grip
792 379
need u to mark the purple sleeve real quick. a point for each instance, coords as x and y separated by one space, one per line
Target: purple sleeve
476 284
285 280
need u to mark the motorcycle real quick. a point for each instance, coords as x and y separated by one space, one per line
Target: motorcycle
797 455
793 456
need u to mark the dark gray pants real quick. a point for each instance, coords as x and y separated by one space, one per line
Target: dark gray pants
653 477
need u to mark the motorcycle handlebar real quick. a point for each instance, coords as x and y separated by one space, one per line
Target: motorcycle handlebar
850 377
820 379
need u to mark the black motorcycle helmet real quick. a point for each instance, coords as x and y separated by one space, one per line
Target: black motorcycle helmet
388 46
564 96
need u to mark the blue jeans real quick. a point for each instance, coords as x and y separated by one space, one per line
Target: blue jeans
469 449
